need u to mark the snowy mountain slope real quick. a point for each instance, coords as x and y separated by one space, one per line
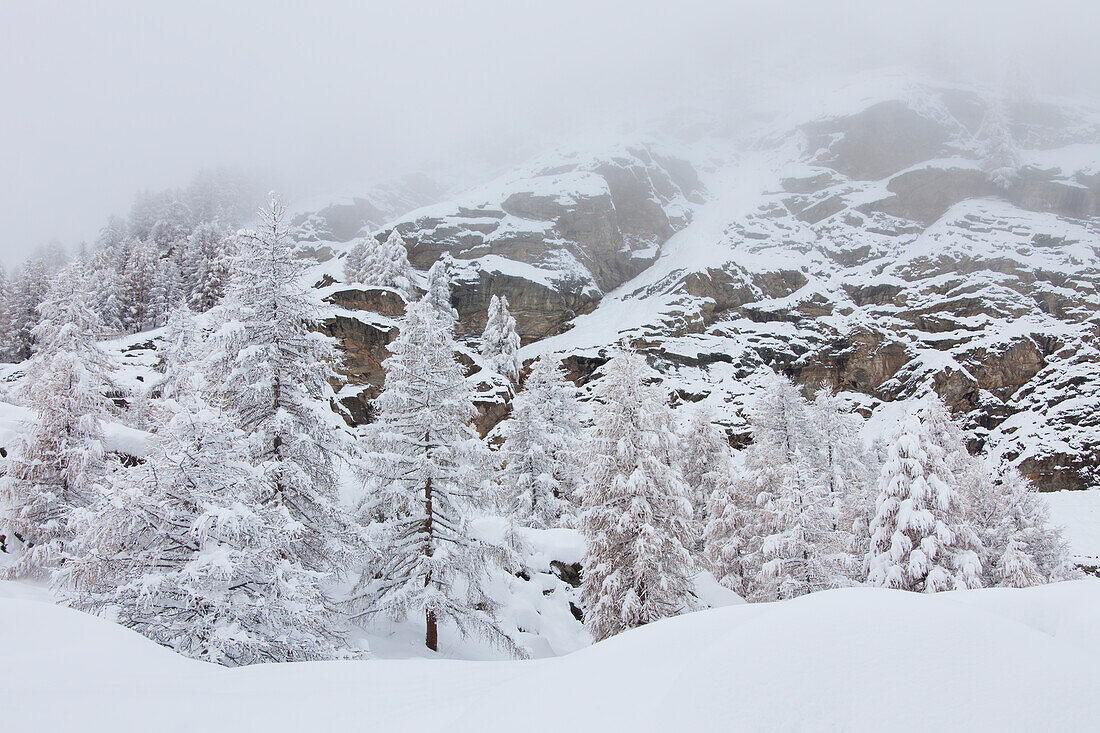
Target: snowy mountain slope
846 660
851 237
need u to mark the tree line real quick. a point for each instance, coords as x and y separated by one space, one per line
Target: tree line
230 540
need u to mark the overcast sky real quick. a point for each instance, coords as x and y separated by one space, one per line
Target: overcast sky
102 99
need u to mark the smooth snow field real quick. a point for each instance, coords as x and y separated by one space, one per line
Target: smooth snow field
857 659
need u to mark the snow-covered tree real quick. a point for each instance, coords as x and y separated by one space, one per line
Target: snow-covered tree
28 290
362 260
636 513
383 265
705 459
187 549
920 539
500 342
844 476
270 370
789 540
1020 545
394 268
439 288
60 464
541 449
427 479
1000 154
5 318
731 531
144 296
100 269
205 266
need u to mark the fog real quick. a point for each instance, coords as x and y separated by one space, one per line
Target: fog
101 100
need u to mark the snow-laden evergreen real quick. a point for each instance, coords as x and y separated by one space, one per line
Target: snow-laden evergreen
205 266
270 370
60 465
920 539
187 549
428 476
844 475
144 291
784 527
500 342
1020 545
541 449
382 265
704 459
27 290
1000 155
636 511
438 291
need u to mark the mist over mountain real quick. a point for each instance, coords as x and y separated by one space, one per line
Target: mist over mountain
715 337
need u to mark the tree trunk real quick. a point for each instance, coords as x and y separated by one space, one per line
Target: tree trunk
431 638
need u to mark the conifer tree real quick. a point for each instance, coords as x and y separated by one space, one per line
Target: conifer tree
1000 155
790 544
844 476
500 342
395 270
6 347
1020 545
541 447
205 267
636 514
705 459
362 260
106 295
427 479
270 371
384 265
28 291
143 293
920 539
186 549
60 465
439 288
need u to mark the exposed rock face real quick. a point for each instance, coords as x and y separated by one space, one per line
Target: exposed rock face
878 260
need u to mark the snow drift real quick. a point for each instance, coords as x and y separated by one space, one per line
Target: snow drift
845 660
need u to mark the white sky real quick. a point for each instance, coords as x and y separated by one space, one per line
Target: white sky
101 99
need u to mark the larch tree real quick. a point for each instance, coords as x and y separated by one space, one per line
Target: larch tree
541 449
427 478
205 266
61 463
1000 159
187 549
143 291
28 290
384 265
705 460
439 288
844 475
362 260
270 370
636 513
394 268
500 342
1020 544
788 548
920 539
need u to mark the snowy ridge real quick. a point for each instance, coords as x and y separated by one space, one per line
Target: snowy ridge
759 667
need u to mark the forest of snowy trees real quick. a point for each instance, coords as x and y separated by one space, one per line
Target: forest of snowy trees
231 540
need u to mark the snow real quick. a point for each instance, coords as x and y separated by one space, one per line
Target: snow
1079 513
846 660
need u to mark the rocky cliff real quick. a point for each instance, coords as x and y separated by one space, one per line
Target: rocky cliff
865 249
